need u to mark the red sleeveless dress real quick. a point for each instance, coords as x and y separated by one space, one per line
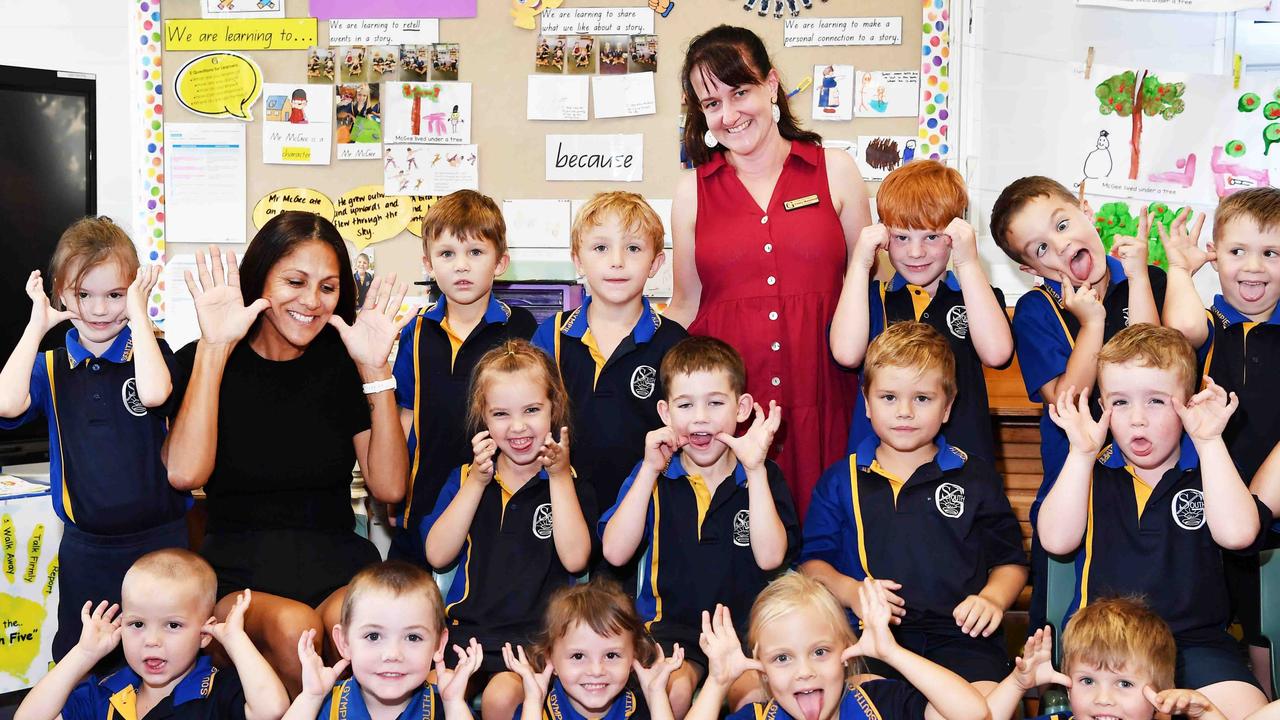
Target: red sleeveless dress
770 283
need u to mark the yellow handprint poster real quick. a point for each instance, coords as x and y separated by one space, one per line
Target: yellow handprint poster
29 537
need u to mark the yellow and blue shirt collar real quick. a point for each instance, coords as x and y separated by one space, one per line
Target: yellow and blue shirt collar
898 282
123 686
675 470
120 350
948 457
496 312
346 702
1115 274
575 325
558 706
1228 315
1188 458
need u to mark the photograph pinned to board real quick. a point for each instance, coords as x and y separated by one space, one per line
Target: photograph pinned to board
359 122
242 9
549 53
582 55
833 92
415 62
878 155
353 63
430 169
436 113
297 124
445 58
614 50
887 93
643 53
553 97
321 65
384 62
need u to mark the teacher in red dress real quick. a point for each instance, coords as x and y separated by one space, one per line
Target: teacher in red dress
761 230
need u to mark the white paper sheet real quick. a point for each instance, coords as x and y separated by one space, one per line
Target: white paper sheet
832 31
385 31
616 158
598 21
557 97
205 197
296 130
180 324
832 92
430 169
242 9
436 113
878 155
887 93
623 95
538 223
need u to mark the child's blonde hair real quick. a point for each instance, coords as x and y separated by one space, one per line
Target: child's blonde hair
1119 634
86 244
631 211
466 215
175 566
913 346
1261 204
922 195
397 578
600 605
1156 347
796 592
513 356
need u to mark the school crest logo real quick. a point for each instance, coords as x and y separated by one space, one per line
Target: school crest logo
742 528
542 521
643 380
129 394
1188 509
958 321
950 500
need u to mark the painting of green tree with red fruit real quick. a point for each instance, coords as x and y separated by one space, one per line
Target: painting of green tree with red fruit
1131 95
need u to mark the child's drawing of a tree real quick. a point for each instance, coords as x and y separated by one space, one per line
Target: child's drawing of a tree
1131 96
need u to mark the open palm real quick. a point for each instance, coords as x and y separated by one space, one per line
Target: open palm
375 330
224 318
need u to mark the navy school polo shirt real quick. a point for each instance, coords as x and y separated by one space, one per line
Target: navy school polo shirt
1044 334
345 702
508 566
613 400
898 301
939 533
1241 356
206 692
1154 541
697 548
873 700
105 471
628 705
433 372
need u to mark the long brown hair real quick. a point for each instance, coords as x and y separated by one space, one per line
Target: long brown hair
733 56
86 244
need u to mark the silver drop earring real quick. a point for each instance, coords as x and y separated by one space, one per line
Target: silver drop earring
777 113
709 138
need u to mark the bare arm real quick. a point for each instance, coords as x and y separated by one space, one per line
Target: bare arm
1183 309
1266 482
1065 511
988 323
768 536
849 195
449 531
381 450
15 378
843 587
851 323
569 529
264 696
149 369
1229 509
625 530
1082 366
686 293
99 635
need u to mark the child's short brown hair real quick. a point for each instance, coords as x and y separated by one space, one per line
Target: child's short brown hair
397 578
1156 347
1017 196
86 244
466 215
513 356
911 345
600 605
921 195
632 212
1262 204
175 566
1120 634
701 353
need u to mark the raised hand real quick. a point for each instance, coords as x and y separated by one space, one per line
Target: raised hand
876 640
139 290
453 683
977 615
752 448
316 678
554 456
964 242
1132 251
1182 242
1205 415
99 629
1035 667
1083 433
897 606
536 684
719 642
1084 303
653 679
483 450
224 318
870 242
234 623
43 316
1179 701
659 446
369 340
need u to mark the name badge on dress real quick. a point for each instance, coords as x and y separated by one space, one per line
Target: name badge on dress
797 203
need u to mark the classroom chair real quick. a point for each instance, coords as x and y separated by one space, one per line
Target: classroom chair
1269 570
1059 588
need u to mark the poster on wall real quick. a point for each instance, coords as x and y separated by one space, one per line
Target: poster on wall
330 9
242 8
359 121
220 84
28 589
887 93
832 92
434 113
1206 6
297 124
430 169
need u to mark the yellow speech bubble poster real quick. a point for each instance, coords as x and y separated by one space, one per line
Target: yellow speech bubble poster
292 198
421 204
220 84
365 216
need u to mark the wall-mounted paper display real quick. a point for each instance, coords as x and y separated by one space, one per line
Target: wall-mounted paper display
220 84
238 34
292 198
1208 6
887 93
598 21
242 8
831 31
557 97
364 215
430 169
330 9
386 31
359 118
617 158
878 155
297 124
537 223
832 92
437 113
623 95
421 205
204 187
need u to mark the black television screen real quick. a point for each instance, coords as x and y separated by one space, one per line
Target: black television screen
47 181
